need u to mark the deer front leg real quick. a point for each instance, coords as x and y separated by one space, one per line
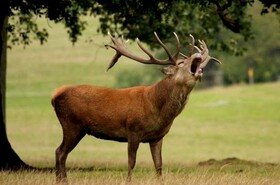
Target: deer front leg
156 154
133 145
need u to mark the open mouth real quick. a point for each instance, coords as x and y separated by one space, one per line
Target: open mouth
196 70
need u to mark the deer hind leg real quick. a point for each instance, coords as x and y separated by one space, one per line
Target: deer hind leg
133 145
70 139
155 148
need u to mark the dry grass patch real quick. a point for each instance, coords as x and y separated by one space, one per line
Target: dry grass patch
226 172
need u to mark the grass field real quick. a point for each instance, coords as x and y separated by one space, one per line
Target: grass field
238 121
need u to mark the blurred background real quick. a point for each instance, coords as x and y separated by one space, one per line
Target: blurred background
233 112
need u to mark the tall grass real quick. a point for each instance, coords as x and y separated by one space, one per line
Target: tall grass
239 121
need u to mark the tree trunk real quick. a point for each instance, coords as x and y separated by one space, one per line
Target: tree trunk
9 160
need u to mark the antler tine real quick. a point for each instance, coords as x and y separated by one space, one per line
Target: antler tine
183 55
205 54
178 47
198 49
114 40
192 45
117 55
143 49
172 58
203 46
165 48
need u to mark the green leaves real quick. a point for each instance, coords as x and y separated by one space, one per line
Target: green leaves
212 20
23 29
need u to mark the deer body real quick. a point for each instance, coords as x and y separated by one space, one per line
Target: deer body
133 115
112 113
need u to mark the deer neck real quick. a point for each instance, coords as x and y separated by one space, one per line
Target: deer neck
170 97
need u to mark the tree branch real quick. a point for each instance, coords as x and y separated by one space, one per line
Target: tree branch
231 24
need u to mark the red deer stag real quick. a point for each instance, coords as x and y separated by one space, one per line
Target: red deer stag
134 115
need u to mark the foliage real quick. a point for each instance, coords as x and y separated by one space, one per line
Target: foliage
145 75
203 18
262 53
23 14
24 25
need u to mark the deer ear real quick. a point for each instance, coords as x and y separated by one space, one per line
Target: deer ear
170 70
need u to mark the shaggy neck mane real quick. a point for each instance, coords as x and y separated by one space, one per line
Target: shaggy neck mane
170 97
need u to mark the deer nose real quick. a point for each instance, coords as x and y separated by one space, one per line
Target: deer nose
198 55
196 59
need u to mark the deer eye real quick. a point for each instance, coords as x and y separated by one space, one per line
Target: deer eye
181 64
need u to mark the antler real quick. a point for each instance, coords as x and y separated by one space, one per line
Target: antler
121 49
205 54
203 50
192 46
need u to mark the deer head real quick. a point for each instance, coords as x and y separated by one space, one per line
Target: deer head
186 69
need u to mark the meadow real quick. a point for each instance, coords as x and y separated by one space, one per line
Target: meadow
225 135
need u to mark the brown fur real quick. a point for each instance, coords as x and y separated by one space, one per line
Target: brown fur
58 91
134 115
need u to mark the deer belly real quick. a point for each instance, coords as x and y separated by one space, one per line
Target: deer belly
108 133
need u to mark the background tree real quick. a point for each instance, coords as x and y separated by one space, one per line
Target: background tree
203 18
262 53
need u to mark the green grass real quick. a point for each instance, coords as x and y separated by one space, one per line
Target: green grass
239 121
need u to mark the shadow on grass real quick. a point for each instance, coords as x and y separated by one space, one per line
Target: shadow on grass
81 169
230 165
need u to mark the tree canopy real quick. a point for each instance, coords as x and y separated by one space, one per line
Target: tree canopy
203 18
